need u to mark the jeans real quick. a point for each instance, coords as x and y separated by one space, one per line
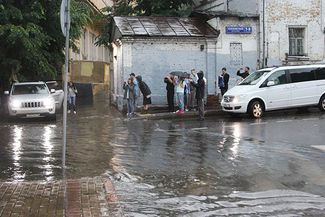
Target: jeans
180 99
131 105
72 103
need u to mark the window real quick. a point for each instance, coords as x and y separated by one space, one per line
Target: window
278 77
236 54
296 41
320 73
301 75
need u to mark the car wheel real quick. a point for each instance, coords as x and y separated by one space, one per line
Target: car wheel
322 103
256 109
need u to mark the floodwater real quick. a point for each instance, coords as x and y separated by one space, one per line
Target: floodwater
217 167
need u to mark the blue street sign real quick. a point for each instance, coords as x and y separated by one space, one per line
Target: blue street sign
239 29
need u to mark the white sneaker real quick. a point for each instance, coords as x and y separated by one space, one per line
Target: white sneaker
74 112
69 111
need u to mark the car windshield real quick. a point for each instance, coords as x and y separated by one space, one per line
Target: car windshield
29 89
254 78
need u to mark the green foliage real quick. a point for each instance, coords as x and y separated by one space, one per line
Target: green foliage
179 8
31 41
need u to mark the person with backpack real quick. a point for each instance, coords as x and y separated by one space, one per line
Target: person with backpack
223 81
146 92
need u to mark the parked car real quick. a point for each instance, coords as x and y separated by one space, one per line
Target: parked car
31 99
58 94
277 88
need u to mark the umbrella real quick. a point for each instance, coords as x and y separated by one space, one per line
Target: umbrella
179 73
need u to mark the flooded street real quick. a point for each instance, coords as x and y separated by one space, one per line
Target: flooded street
222 166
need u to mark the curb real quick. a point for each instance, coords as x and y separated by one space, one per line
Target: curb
112 199
186 115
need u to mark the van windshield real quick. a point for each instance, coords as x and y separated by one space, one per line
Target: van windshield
254 78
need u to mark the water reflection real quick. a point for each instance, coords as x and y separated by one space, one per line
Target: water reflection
236 135
17 151
48 151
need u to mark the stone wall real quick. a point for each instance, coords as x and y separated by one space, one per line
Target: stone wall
280 16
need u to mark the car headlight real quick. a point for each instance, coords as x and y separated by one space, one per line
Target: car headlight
239 98
48 102
15 103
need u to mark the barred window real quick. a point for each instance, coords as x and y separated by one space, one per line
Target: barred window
296 41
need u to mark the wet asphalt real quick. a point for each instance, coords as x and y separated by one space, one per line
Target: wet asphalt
220 166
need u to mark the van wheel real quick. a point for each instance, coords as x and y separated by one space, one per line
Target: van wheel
256 109
322 103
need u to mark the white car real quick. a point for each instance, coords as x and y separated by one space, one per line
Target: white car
31 99
58 94
277 88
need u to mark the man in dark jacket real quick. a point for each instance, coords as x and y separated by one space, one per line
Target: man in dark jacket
225 77
169 80
245 74
200 91
146 92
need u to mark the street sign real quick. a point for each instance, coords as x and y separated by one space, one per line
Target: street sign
239 29
64 17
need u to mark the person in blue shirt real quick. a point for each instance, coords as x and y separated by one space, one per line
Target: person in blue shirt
136 91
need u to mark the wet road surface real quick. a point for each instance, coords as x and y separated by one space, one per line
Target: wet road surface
222 166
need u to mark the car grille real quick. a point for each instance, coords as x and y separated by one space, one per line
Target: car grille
228 98
32 104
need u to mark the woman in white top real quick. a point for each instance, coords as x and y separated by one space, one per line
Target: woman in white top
72 94
180 85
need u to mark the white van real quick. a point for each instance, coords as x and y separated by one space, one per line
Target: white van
277 88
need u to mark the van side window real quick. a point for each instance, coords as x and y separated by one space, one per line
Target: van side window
320 73
278 77
301 75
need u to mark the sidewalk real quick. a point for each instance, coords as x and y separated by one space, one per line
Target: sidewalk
86 197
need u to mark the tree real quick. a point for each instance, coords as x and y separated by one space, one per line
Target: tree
31 41
142 8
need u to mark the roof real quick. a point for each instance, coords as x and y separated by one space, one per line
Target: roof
227 14
164 26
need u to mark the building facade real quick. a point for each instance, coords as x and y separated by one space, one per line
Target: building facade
90 64
294 31
155 46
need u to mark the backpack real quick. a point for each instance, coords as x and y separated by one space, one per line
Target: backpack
221 82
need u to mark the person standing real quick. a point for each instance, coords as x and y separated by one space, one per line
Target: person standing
187 92
129 95
146 92
200 92
180 85
244 74
170 87
72 94
193 92
136 90
223 81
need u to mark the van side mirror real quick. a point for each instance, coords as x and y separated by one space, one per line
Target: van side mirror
270 83
6 92
52 90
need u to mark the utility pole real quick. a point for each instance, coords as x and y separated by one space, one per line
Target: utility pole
65 26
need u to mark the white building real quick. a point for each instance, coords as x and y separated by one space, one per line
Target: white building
288 32
294 31
154 46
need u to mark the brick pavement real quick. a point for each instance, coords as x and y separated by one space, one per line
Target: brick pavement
86 197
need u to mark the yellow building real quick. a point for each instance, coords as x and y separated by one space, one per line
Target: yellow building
90 64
